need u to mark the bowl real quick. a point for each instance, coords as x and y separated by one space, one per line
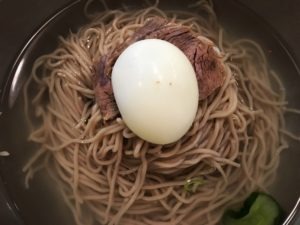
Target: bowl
42 201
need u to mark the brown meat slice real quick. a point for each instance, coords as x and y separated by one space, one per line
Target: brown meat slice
207 62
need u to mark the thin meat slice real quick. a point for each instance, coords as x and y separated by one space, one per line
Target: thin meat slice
202 53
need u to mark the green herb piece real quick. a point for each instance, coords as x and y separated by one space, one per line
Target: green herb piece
191 185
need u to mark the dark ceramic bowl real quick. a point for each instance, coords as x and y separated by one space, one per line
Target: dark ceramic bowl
41 204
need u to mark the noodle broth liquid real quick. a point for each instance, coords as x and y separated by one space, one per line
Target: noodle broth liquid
42 203
286 188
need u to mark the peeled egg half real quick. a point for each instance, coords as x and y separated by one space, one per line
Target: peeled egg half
156 90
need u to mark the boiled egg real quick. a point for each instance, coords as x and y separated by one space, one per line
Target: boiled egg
156 90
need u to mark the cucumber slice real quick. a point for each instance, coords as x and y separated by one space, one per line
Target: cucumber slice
258 209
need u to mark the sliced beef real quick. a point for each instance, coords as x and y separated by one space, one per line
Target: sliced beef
207 62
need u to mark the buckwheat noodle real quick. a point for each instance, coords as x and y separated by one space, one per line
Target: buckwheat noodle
110 176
